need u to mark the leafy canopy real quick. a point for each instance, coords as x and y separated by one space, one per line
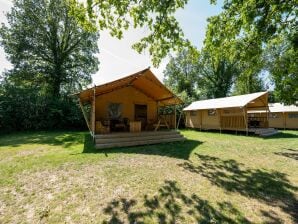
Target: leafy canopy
47 46
259 25
156 16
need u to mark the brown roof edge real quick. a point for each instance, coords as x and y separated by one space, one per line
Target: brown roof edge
115 81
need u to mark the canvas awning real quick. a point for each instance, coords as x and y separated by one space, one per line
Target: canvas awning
231 102
143 81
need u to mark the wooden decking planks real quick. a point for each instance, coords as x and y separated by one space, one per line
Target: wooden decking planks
133 139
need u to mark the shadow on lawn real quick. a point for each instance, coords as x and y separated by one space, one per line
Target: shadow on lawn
281 135
64 139
171 205
291 153
270 187
180 150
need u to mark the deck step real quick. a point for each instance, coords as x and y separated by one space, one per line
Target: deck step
134 134
264 132
138 142
99 140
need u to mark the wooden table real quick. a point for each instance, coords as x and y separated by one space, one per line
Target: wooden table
135 126
162 122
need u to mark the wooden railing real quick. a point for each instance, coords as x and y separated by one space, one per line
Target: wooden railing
232 122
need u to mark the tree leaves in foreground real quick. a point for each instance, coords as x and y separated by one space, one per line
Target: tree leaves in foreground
156 16
46 46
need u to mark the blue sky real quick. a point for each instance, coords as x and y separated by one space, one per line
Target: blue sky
116 57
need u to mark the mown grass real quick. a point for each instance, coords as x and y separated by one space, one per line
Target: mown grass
56 177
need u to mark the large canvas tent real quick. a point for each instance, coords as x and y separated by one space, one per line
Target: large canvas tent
280 116
228 113
134 97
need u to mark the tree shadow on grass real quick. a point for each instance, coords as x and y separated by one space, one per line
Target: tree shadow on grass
290 153
61 138
282 135
270 187
171 205
180 150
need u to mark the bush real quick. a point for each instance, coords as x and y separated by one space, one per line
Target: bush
28 109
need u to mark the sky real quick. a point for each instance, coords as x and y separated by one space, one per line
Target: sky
118 59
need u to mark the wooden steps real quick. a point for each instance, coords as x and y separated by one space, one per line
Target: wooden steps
134 139
264 132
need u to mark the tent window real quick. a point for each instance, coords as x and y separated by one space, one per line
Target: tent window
273 115
212 112
295 115
193 113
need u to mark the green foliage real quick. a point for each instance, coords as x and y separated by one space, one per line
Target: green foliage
157 16
217 74
282 63
194 75
52 56
26 108
181 75
245 29
46 45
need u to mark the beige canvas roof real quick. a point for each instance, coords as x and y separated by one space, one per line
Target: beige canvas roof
278 107
144 81
252 100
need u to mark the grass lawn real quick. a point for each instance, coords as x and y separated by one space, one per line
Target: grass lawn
58 177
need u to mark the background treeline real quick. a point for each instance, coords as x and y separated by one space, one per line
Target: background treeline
52 57
51 45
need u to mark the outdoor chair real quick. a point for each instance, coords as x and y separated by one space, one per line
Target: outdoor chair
100 128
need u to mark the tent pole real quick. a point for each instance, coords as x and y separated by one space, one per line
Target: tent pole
93 113
284 118
85 116
245 120
175 119
218 112
179 120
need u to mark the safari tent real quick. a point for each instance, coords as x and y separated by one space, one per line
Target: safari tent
228 113
126 111
280 116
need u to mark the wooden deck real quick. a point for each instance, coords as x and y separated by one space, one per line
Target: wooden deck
138 138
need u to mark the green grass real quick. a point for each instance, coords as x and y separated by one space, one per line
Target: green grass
58 177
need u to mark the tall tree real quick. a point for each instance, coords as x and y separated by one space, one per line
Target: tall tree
46 45
281 58
181 75
257 24
200 75
217 74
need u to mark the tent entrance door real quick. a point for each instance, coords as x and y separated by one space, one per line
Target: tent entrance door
141 114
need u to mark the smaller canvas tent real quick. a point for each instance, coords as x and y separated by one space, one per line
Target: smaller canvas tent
228 113
280 116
